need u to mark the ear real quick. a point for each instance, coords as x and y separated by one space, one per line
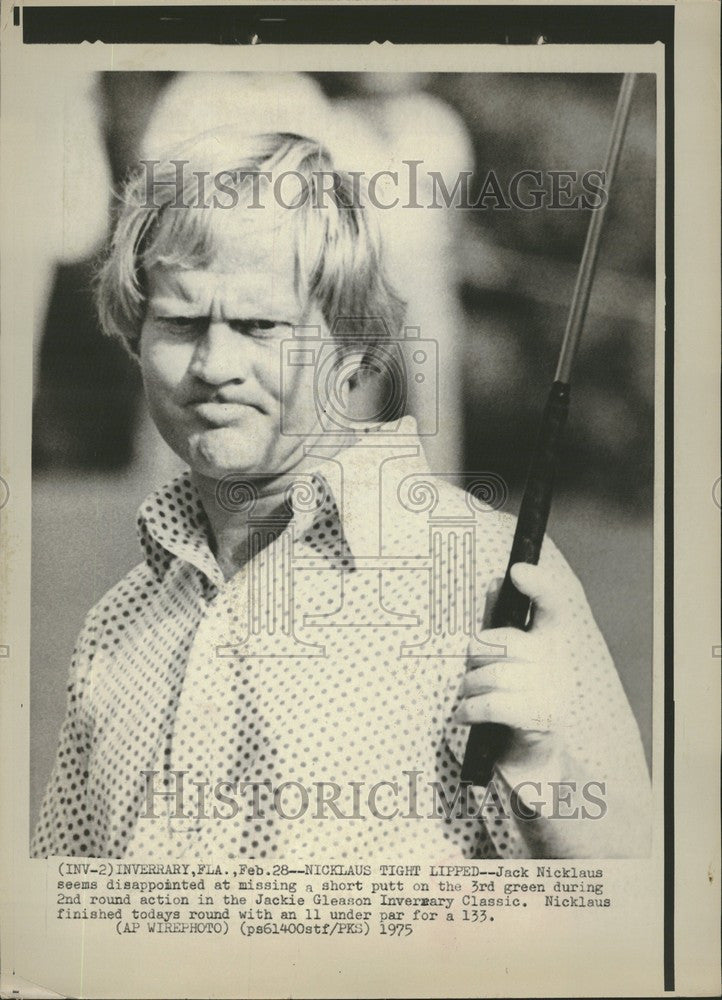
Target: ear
353 369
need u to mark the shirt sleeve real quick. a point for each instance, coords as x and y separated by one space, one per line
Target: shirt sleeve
65 823
601 755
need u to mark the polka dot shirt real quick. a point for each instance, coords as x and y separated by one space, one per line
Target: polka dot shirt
303 708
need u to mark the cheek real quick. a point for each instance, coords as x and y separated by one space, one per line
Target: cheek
162 366
265 369
298 388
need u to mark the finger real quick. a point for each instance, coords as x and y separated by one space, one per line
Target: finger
504 707
498 644
549 590
517 676
539 693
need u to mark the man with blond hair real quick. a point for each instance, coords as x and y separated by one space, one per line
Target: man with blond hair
294 665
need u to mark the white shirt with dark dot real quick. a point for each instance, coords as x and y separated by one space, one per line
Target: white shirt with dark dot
343 687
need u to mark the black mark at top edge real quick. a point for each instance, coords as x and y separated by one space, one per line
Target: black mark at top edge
238 24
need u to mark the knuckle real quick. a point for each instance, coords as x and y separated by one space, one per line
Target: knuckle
489 639
475 683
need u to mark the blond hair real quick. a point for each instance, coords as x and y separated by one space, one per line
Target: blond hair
163 217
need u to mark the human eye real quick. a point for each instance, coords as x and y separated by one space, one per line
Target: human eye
182 326
260 328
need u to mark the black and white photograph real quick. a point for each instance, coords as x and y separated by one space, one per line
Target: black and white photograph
335 302
347 503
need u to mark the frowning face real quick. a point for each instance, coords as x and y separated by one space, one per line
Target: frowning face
211 352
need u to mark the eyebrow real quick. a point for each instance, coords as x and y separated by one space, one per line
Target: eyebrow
165 308
175 297
171 304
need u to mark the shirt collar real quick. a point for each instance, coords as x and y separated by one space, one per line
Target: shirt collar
173 524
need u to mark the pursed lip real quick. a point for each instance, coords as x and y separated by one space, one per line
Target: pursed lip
219 414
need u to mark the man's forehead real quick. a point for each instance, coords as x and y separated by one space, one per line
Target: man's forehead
251 264
237 293
265 234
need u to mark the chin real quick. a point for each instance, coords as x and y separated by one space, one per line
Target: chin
223 452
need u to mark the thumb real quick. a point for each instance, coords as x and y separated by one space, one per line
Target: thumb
542 589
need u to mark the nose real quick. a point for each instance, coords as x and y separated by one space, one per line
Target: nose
219 356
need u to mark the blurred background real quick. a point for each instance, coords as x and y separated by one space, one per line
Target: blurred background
492 286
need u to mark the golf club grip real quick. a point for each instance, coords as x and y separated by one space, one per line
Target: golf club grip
488 740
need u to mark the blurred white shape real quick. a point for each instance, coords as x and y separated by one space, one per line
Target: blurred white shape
86 173
194 103
68 141
423 242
